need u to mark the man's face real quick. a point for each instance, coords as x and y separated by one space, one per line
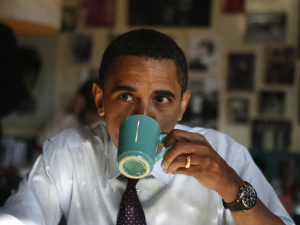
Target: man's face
141 86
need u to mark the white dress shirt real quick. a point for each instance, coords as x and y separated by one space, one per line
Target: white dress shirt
77 176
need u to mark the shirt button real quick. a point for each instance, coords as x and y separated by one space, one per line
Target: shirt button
138 191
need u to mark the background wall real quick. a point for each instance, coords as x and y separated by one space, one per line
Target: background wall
61 76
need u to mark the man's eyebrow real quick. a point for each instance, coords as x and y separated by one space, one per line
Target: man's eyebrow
165 93
123 88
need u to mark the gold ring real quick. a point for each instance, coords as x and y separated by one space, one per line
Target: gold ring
188 161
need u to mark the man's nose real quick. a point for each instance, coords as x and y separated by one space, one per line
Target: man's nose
144 108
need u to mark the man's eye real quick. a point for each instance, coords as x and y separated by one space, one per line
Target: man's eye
162 99
125 97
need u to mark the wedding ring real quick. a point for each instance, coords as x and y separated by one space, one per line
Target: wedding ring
188 161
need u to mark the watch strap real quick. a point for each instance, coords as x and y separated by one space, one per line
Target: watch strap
234 206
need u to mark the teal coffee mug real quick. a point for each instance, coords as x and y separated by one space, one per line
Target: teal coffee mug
139 138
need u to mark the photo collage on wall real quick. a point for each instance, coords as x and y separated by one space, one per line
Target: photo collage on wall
270 130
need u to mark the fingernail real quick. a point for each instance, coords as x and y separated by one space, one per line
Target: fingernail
163 165
166 171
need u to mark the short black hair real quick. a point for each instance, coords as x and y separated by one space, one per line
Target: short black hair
147 43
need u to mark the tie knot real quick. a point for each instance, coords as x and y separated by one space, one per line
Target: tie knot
132 183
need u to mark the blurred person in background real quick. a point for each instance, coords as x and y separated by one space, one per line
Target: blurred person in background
81 112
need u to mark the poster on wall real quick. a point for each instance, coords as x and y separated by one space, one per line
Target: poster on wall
271 103
233 6
280 65
203 54
81 48
95 13
169 13
241 71
69 17
203 109
238 110
271 135
266 26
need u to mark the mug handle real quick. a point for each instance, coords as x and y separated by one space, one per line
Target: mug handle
161 154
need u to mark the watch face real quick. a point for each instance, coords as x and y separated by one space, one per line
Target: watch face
249 197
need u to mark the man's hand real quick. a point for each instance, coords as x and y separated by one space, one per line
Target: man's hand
207 166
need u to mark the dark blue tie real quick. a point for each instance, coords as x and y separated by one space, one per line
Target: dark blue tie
131 211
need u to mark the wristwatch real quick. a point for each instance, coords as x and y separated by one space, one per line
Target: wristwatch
247 199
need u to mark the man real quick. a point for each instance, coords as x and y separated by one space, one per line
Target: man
144 72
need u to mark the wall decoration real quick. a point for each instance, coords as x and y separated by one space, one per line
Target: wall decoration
81 48
203 54
241 69
202 109
271 135
238 110
69 17
233 6
97 13
280 65
271 103
169 13
266 26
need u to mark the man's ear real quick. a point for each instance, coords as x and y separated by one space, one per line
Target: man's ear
184 101
98 96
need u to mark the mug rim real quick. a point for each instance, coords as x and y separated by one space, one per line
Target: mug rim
123 160
143 116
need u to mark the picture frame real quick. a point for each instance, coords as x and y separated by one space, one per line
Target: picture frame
280 64
240 71
95 13
203 107
236 6
81 48
272 103
266 26
203 54
169 13
271 135
69 19
238 110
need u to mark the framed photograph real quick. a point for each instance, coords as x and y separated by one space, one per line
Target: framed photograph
203 107
271 135
280 65
169 13
203 54
266 26
95 13
81 48
235 6
241 72
69 19
238 110
271 103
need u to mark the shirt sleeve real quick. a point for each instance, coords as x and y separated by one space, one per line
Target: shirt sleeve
37 199
248 170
